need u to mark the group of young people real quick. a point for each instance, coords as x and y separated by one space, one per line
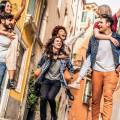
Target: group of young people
54 61
102 57
8 41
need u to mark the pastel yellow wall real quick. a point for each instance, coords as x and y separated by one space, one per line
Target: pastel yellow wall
20 96
15 7
28 40
16 4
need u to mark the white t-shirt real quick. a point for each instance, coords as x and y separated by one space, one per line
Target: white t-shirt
104 58
4 45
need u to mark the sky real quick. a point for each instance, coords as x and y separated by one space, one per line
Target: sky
114 4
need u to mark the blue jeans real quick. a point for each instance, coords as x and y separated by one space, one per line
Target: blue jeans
49 90
2 72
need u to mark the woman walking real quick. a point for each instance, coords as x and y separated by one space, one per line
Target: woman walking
52 75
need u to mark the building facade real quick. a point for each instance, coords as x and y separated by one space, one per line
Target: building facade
34 29
13 101
80 108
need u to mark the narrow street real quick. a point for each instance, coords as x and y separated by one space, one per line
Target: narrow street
32 24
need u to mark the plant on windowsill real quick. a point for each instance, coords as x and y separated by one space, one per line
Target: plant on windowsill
32 98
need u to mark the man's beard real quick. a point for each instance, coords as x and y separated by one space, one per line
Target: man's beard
8 27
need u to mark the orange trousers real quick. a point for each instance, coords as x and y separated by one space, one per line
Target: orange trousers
103 83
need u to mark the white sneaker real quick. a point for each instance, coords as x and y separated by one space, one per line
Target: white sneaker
74 85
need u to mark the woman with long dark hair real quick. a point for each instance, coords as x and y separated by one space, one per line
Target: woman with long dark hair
6 7
52 76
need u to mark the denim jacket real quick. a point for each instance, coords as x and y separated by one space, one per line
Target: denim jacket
93 48
44 64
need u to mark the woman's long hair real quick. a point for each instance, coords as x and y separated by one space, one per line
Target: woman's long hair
2 5
49 48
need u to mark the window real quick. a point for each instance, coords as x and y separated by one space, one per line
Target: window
43 26
21 51
91 16
21 62
65 21
31 7
40 6
84 16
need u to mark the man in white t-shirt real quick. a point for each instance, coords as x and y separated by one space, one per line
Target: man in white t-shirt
105 67
5 24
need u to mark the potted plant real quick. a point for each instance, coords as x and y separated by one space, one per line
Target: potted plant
31 98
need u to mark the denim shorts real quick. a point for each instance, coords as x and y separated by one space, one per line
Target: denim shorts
2 71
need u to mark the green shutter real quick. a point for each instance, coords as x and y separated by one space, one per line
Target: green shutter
84 16
31 7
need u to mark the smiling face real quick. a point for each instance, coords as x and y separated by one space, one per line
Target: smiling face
7 23
103 25
62 34
57 44
8 7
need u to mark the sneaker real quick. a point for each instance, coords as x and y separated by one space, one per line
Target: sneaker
11 84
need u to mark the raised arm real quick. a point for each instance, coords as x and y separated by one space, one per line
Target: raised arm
118 14
18 15
79 34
